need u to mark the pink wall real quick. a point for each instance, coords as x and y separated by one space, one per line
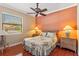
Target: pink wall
58 20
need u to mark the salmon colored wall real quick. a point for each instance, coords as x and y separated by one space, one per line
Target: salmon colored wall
58 20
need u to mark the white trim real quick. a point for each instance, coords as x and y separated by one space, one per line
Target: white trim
62 8
21 18
78 27
12 45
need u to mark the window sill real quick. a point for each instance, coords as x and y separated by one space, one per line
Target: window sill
14 33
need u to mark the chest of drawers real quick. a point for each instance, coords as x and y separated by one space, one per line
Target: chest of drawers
69 43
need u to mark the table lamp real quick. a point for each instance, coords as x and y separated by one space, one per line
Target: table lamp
36 31
67 30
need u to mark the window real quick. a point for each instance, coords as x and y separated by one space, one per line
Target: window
11 23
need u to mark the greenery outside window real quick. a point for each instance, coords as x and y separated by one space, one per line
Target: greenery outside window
11 23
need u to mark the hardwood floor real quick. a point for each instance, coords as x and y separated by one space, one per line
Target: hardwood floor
18 49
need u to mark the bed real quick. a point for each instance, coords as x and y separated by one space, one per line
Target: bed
41 45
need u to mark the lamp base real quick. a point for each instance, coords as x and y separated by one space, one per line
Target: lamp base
67 35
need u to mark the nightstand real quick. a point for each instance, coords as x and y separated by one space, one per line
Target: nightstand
68 43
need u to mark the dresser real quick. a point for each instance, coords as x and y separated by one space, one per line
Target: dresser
68 43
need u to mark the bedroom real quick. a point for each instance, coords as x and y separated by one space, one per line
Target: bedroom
60 22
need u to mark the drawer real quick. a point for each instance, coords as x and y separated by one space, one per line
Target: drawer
69 46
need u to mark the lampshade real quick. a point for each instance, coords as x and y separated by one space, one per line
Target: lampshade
67 30
68 27
37 29
2 32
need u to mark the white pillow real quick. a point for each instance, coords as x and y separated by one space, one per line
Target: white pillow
43 33
51 34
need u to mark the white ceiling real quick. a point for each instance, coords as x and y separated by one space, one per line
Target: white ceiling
25 7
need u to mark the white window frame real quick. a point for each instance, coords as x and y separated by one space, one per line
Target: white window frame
15 16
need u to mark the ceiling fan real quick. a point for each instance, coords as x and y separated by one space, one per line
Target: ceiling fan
37 11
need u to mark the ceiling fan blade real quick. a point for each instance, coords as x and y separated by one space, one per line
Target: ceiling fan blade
43 10
31 13
42 14
33 9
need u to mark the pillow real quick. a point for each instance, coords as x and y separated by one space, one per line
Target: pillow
43 33
51 34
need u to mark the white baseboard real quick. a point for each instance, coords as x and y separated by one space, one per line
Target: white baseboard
12 45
